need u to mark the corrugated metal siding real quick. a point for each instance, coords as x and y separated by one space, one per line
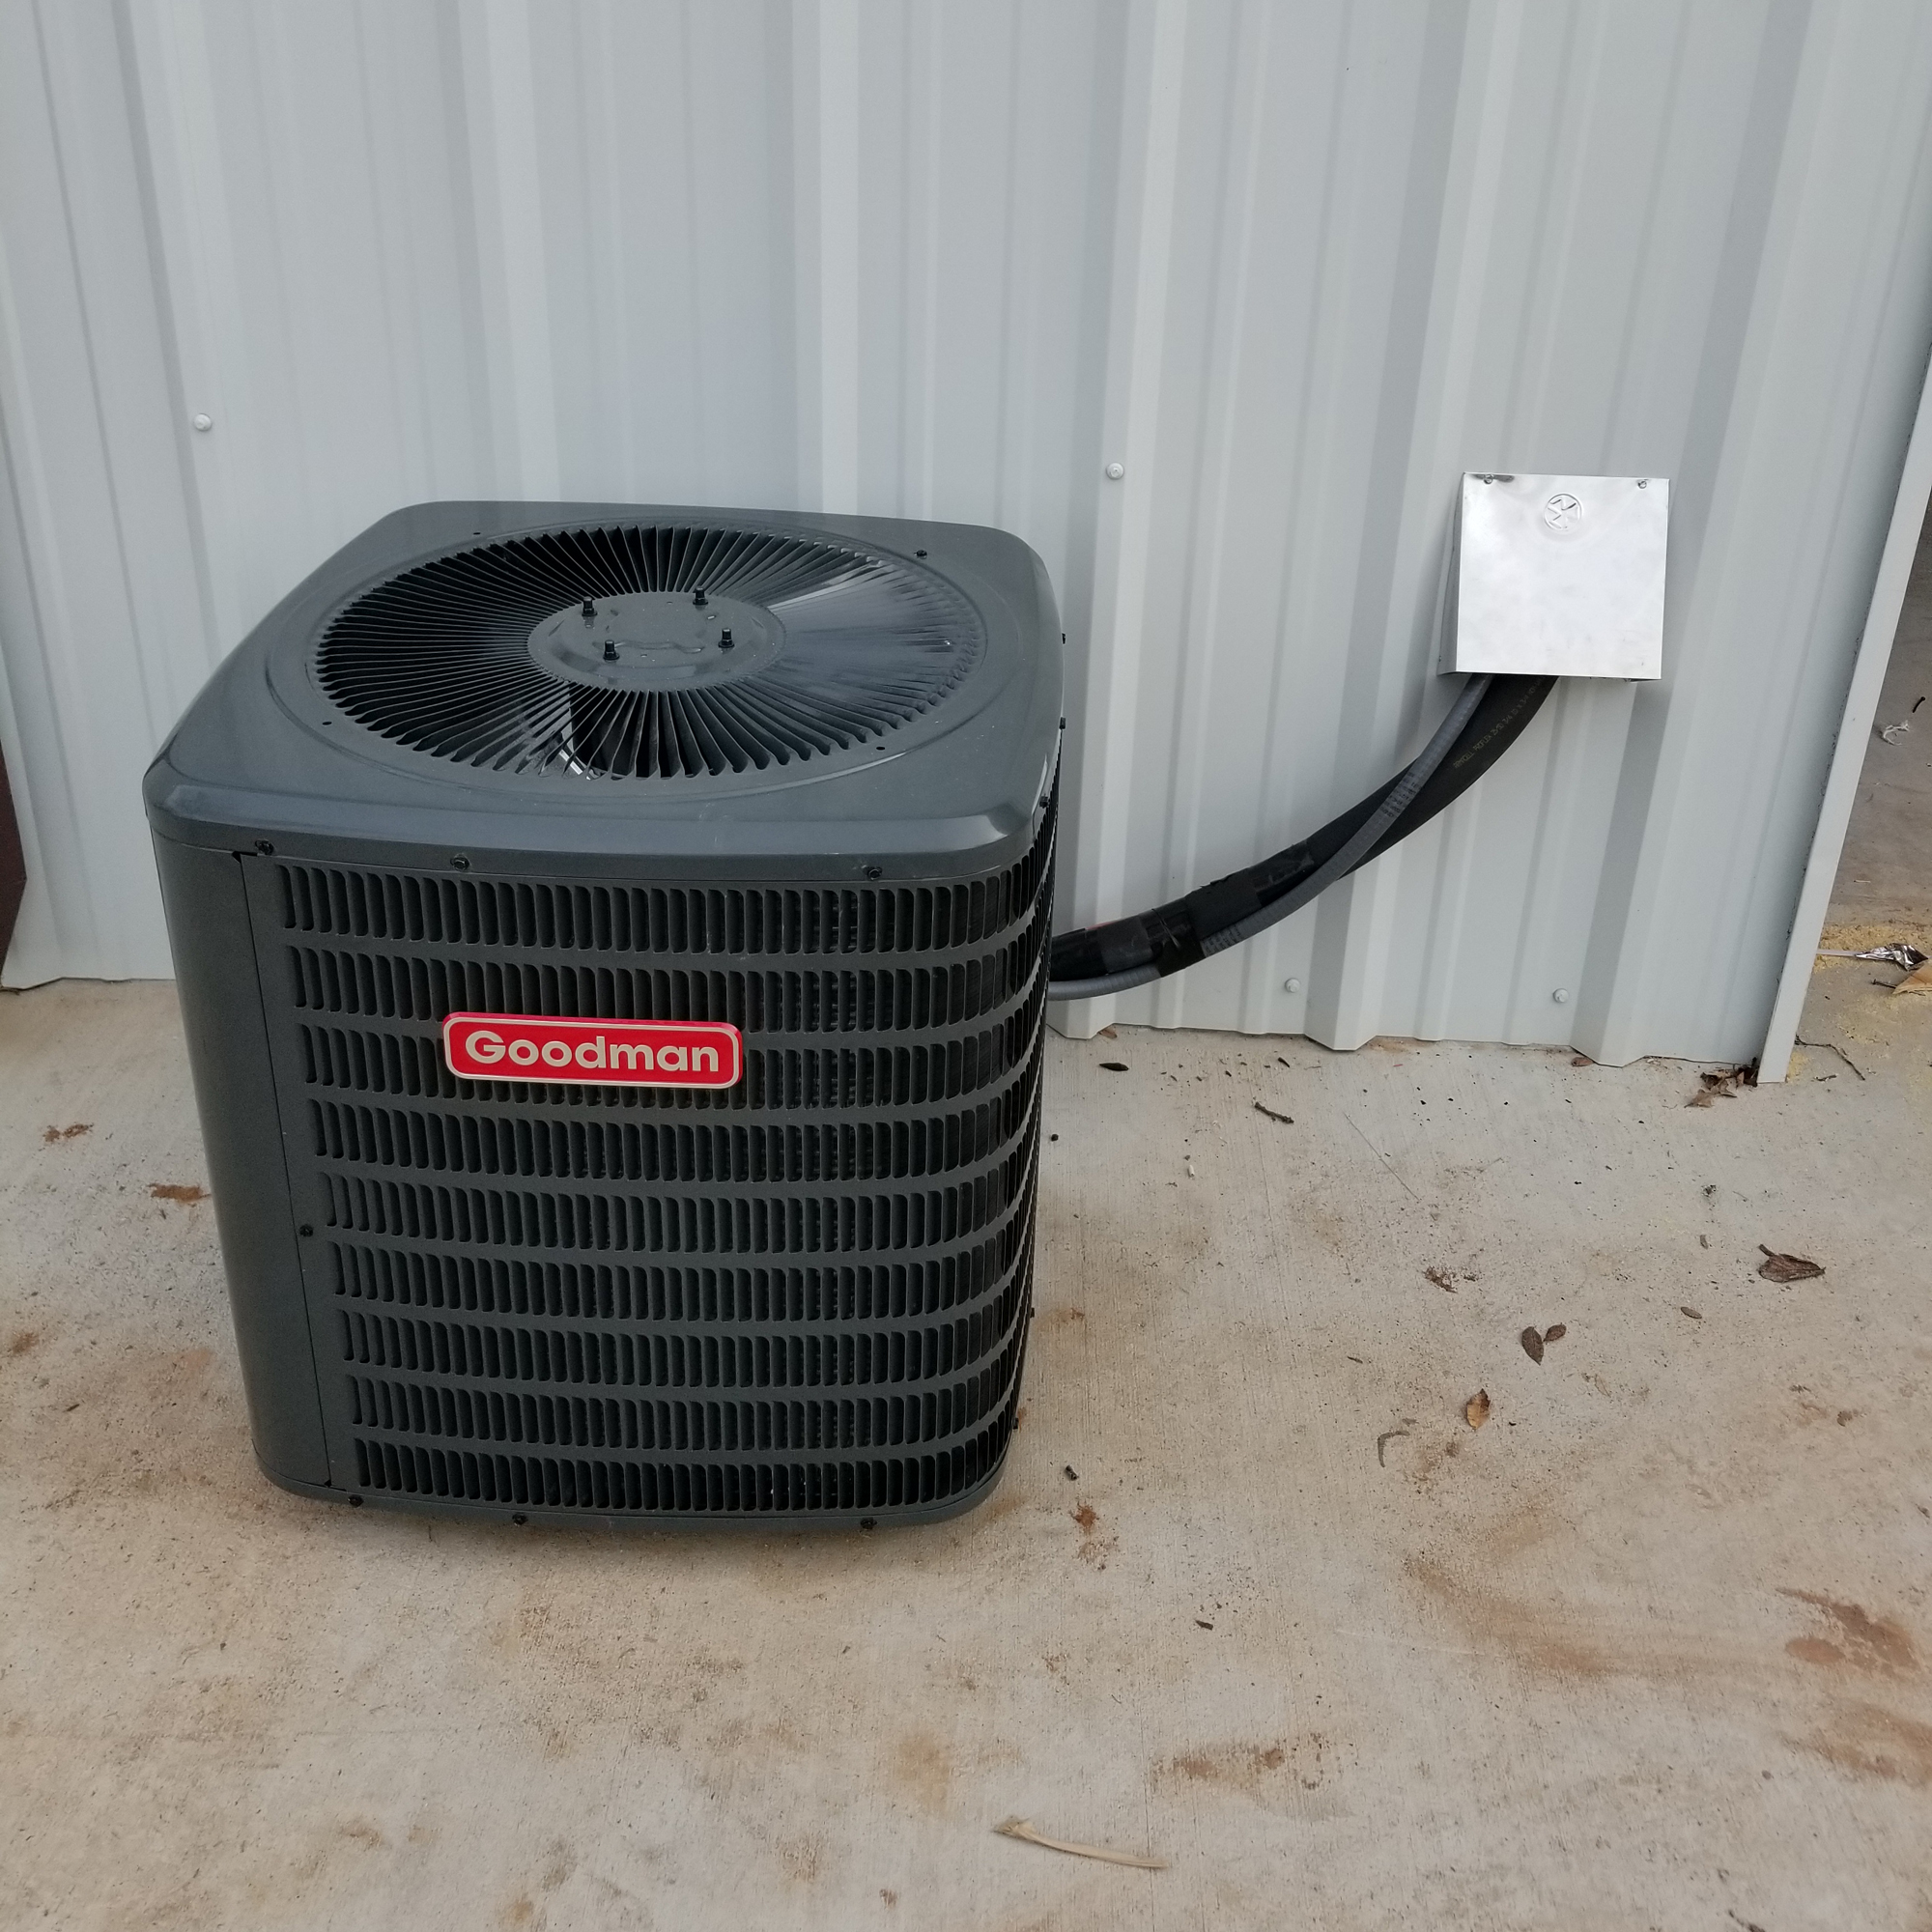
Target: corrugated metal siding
1295 268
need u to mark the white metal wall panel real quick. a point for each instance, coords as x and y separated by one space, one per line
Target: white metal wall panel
1295 268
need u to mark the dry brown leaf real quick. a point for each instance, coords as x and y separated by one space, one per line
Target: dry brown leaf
1555 1334
1786 1267
1476 1410
1532 1343
1021 1828
1732 1077
1441 1277
1917 980
1691 1312
184 1192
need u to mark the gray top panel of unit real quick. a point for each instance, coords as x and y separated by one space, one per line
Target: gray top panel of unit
958 792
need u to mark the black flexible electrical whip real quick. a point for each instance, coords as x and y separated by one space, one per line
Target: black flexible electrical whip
1487 718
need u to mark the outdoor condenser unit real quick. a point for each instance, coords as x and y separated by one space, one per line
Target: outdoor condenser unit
613 949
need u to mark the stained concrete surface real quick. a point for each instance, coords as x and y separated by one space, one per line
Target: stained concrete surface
1652 1648
1885 873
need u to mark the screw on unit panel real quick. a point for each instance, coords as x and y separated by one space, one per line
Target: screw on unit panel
264 846
918 552
1292 985
590 611
1116 470
1561 996
203 423
724 639
868 1522
305 1231
355 1502
459 862
874 871
609 651
700 600
520 1517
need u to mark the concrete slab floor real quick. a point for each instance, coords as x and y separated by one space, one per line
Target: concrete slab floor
1884 886
1652 1648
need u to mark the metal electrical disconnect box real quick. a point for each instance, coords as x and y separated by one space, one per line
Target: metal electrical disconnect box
1558 576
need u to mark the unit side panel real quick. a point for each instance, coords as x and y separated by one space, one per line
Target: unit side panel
229 1054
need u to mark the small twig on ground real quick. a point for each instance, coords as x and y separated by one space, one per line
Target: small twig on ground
1385 1161
1019 1827
1287 1120
1826 1047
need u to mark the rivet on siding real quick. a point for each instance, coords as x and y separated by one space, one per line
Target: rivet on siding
1292 985
203 423
1561 996
1116 471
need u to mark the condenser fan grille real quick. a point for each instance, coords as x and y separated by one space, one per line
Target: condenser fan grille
438 658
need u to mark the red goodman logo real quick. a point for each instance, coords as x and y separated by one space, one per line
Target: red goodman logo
593 1053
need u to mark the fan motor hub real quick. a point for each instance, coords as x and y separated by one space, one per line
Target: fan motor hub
657 641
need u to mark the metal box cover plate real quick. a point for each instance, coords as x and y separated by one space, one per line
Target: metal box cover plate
1560 575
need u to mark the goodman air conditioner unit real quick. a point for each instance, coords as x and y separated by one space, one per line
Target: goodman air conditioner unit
612 950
